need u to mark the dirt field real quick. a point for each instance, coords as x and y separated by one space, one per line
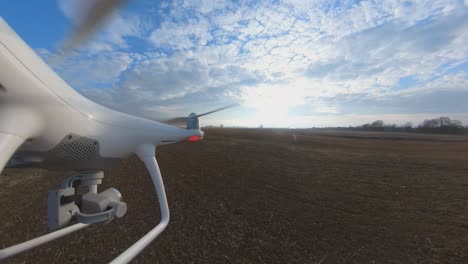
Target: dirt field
270 196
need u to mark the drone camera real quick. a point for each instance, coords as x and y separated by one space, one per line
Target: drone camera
93 203
66 206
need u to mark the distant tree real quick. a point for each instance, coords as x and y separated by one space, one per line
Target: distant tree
390 127
430 123
442 124
408 125
457 123
377 124
445 121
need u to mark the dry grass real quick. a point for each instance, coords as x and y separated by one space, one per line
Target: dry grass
260 196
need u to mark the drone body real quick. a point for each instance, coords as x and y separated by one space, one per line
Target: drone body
44 122
59 127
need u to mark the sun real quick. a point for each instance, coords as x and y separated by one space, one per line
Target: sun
271 103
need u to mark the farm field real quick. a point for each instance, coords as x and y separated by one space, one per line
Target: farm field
269 196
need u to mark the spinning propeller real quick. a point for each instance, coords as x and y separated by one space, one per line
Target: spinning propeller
94 14
191 121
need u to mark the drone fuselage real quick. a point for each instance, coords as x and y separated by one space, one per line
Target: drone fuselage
44 121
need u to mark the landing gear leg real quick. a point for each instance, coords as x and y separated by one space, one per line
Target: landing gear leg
147 154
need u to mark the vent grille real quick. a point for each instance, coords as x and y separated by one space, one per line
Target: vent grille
76 148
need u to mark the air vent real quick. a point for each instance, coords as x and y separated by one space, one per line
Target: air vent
77 149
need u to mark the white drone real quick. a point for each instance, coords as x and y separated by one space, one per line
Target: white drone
44 122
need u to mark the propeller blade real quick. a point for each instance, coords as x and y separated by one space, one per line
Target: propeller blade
92 19
218 109
181 121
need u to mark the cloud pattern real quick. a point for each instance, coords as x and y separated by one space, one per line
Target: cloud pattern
330 62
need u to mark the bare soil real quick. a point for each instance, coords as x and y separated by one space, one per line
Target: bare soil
270 196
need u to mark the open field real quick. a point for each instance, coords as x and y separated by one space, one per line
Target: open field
270 196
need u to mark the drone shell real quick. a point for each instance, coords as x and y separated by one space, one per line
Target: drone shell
39 107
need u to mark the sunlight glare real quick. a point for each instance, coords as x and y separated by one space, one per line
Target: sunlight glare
271 102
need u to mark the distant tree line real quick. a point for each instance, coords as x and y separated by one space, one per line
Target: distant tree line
440 125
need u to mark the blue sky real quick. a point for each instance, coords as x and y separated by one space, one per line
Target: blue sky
290 63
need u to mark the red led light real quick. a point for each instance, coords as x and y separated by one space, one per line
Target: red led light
194 138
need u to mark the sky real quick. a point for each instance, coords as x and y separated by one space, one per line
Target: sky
290 63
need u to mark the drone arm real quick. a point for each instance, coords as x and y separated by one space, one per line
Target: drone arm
17 124
8 145
146 153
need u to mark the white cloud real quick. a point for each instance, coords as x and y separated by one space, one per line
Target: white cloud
205 6
276 57
172 35
98 70
447 83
